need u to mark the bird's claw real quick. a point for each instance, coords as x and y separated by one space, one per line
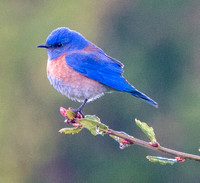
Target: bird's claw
78 111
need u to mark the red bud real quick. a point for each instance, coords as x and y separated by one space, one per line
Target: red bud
78 115
154 144
180 159
76 124
63 112
124 141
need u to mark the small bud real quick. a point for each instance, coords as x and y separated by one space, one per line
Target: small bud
67 120
63 112
76 124
78 115
124 141
180 159
156 144
108 131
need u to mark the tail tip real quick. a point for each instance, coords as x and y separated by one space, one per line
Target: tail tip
156 105
152 102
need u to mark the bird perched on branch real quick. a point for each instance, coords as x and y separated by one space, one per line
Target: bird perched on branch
80 70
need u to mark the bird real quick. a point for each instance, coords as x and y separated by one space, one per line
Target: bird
82 71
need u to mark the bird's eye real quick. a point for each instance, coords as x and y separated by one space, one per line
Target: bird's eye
59 44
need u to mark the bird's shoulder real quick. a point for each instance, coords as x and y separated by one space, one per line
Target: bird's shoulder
94 54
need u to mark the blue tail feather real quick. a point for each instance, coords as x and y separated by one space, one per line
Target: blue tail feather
138 94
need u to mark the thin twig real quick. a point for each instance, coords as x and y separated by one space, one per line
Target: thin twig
131 140
158 148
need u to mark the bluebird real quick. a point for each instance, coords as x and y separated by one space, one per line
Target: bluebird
83 72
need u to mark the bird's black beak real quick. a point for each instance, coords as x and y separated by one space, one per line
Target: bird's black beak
44 46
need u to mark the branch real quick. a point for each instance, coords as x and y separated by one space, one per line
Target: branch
149 146
96 127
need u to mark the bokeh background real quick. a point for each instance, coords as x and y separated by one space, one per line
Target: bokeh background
159 44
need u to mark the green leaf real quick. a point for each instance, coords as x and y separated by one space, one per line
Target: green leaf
161 160
71 130
147 130
93 117
70 114
93 124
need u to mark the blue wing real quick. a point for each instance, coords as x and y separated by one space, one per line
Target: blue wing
105 70
99 68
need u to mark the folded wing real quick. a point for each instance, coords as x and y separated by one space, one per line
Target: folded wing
105 70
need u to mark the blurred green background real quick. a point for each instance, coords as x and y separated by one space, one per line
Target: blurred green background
159 44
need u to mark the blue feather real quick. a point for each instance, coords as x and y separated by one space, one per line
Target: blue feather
105 70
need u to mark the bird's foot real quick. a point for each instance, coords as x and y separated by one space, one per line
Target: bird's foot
78 111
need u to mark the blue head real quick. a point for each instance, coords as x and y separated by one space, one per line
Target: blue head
62 40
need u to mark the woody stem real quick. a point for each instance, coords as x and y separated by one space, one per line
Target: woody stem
159 148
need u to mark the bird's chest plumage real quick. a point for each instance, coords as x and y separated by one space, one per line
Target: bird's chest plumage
72 83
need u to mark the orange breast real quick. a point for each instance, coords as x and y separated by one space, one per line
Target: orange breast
59 69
